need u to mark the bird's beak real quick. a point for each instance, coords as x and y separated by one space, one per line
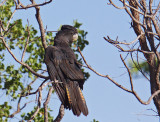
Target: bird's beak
75 37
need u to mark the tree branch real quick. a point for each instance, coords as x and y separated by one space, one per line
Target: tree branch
38 106
46 103
32 5
105 76
60 114
39 88
116 44
39 20
123 88
18 108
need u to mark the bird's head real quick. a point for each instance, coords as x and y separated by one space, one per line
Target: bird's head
67 34
70 31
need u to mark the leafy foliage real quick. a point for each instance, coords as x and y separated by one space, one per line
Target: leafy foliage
136 68
95 120
4 111
81 43
39 117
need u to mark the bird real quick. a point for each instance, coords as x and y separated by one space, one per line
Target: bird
65 71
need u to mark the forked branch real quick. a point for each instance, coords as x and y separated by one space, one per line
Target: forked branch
120 86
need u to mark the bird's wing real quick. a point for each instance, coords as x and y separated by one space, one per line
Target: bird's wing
71 69
64 68
65 65
52 59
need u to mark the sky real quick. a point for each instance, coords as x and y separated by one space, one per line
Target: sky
105 101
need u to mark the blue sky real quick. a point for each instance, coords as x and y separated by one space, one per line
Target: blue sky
106 102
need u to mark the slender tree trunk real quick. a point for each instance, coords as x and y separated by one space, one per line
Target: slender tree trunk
154 83
150 57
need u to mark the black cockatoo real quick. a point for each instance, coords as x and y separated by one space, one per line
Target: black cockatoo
65 72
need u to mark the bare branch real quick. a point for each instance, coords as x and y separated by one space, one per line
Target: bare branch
156 27
142 6
43 84
145 18
123 88
34 81
60 114
46 103
32 5
39 20
129 73
150 6
126 5
132 87
133 18
38 106
156 11
150 98
111 3
18 108
117 42
105 76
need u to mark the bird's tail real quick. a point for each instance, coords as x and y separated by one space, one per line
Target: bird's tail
76 99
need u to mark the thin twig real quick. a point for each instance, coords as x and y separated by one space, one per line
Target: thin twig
43 84
26 43
10 19
133 18
118 42
111 3
115 43
18 108
38 106
129 73
45 104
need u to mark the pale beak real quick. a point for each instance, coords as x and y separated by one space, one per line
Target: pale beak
75 37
